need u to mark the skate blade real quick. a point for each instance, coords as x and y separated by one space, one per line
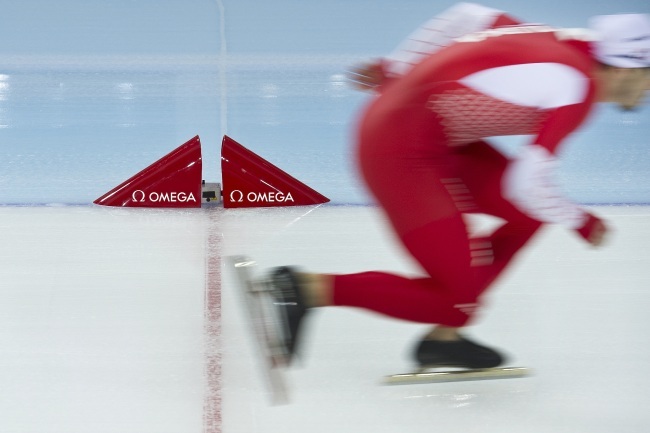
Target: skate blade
425 376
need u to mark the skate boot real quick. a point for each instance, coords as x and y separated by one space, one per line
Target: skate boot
462 353
285 288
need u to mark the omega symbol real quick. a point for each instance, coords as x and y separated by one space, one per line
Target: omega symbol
138 196
236 193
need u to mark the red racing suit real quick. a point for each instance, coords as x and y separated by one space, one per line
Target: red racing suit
422 154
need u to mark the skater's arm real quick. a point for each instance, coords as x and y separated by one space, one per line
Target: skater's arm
435 34
439 32
529 183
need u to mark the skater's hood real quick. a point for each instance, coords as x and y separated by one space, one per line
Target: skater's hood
622 40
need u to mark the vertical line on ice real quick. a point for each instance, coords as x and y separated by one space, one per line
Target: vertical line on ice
212 414
223 78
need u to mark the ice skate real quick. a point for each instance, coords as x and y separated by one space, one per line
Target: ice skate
449 361
284 285
462 353
265 325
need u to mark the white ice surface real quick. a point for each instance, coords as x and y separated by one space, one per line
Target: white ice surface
101 320
104 327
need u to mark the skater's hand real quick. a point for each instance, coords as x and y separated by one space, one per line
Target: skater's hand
367 76
593 231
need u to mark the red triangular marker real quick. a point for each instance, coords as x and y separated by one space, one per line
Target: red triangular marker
174 181
251 181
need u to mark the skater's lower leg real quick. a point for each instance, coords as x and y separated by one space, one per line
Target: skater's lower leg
317 292
443 345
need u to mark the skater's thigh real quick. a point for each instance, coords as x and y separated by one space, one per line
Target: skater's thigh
425 216
404 159
417 196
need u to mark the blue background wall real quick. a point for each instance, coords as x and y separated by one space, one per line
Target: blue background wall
93 91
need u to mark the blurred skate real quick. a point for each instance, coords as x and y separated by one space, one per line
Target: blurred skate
265 325
286 288
445 374
453 361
